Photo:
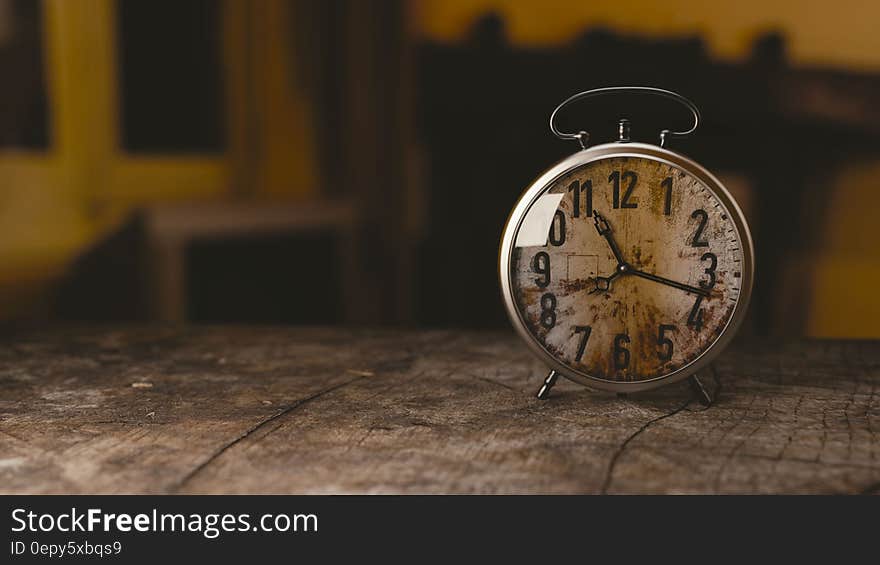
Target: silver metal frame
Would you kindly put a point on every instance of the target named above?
(607, 151)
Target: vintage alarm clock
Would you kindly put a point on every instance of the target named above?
(626, 266)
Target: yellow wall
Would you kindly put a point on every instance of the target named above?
(846, 264)
(54, 204)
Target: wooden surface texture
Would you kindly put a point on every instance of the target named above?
(273, 410)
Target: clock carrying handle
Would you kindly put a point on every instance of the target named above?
(583, 137)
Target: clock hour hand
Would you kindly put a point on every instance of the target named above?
(604, 229)
(603, 284)
(675, 284)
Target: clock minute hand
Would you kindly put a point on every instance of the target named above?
(675, 284)
(604, 229)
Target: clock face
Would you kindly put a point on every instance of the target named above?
(627, 269)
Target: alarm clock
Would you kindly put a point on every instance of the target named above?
(626, 266)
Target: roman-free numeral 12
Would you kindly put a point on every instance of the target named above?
(629, 178)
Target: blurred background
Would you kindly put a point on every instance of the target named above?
(353, 162)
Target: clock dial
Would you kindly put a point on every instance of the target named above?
(627, 269)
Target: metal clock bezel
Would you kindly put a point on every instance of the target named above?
(637, 150)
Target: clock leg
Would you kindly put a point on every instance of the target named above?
(548, 384)
(700, 391)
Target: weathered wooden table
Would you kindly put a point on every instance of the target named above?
(269, 410)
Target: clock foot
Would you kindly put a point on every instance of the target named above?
(548, 384)
(700, 391)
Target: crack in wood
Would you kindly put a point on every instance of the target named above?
(725, 434)
(494, 382)
(612, 464)
(383, 366)
(287, 410)
(733, 452)
(384, 391)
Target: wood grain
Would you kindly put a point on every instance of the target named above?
(268, 410)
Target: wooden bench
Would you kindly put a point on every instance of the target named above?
(171, 228)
